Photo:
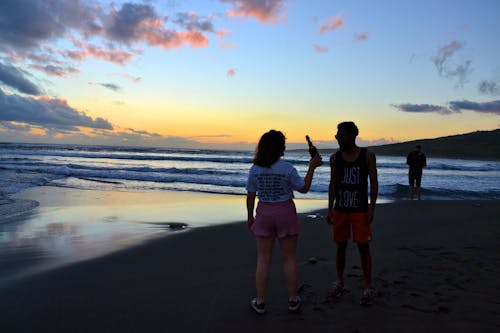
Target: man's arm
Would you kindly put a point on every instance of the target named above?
(372, 174)
(331, 189)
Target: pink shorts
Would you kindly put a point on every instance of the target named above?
(276, 219)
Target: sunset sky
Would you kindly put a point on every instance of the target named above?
(219, 73)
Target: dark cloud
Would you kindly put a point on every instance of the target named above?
(447, 68)
(139, 23)
(15, 78)
(489, 87)
(144, 133)
(28, 27)
(485, 107)
(110, 86)
(265, 11)
(15, 127)
(126, 24)
(453, 107)
(24, 24)
(46, 112)
(193, 22)
(423, 108)
(54, 70)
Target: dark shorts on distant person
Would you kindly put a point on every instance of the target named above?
(276, 219)
(345, 222)
(414, 177)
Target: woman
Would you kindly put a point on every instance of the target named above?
(273, 180)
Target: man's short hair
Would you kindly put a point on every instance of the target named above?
(348, 127)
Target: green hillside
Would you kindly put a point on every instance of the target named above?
(483, 145)
(479, 145)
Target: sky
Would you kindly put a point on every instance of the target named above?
(219, 73)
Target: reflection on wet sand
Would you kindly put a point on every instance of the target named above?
(71, 225)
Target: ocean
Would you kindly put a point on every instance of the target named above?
(138, 194)
(223, 172)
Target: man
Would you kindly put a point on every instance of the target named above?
(417, 161)
(348, 206)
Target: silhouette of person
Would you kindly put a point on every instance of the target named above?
(417, 161)
(273, 180)
(348, 207)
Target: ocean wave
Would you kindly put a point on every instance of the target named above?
(132, 156)
(399, 191)
(185, 176)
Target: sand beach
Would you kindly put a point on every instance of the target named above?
(435, 269)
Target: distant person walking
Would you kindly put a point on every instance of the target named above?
(273, 180)
(348, 206)
(417, 161)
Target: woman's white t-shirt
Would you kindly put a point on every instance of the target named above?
(276, 183)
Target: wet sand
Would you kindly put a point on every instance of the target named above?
(435, 269)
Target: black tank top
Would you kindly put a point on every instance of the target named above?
(351, 183)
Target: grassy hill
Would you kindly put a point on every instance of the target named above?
(480, 145)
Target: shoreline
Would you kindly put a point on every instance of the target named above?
(57, 226)
(435, 269)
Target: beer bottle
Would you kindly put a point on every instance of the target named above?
(312, 149)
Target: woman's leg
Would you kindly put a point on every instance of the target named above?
(264, 255)
(288, 248)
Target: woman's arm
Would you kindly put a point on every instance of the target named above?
(315, 162)
(250, 207)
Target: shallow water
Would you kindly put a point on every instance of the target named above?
(71, 225)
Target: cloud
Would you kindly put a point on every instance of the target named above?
(24, 24)
(231, 72)
(489, 87)
(127, 24)
(15, 127)
(15, 78)
(86, 50)
(46, 112)
(134, 79)
(423, 108)
(28, 27)
(320, 49)
(454, 107)
(265, 11)
(331, 24)
(110, 86)
(139, 23)
(360, 37)
(227, 46)
(192, 22)
(485, 107)
(449, 69)
(54, 70)
(13, 132)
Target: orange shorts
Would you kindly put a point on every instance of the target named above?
(343, 222)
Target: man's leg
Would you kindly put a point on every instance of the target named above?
(264, 255)
(366, 263)
(411, 183)
(418, 182)
(340, 263)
